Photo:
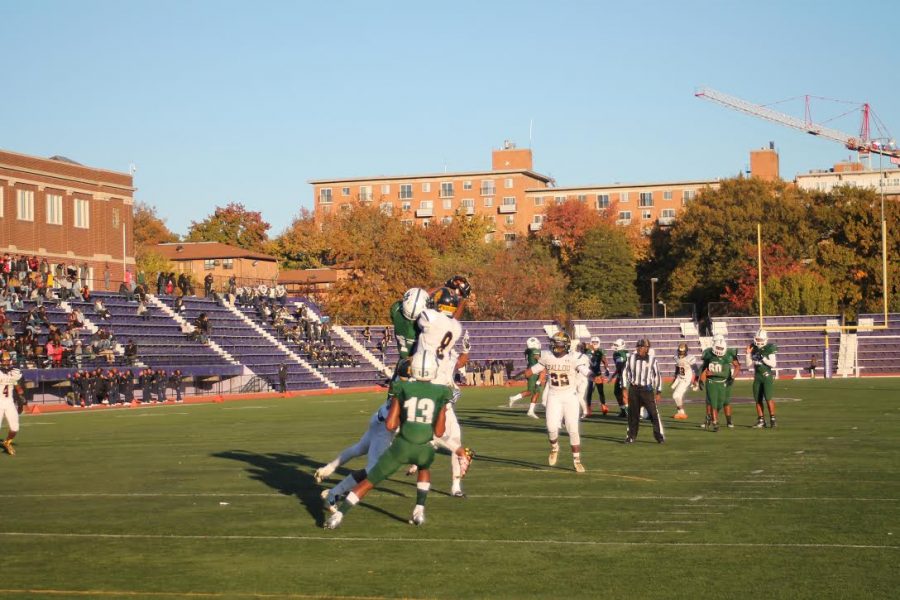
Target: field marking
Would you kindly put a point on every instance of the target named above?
(246, 407)
(405, 540)
(667, 522)
(486, 496)
(135, 594)
(147, 414)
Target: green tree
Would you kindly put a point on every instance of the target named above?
(302, 245)
(234, 225)
(459, 247)
(798, 293)
(603, 275)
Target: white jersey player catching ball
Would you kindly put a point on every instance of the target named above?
(567, 374)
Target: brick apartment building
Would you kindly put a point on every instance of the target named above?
(67, 212)
(511, 194)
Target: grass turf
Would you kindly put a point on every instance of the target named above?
(218, 501)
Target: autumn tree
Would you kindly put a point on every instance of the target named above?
(603, 275)
(565, 226)
(148, 230)
(384, 258)
(459, 247)
(302, 245)
(234, 225)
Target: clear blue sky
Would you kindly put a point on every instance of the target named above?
(245, 101)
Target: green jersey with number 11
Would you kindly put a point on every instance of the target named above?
(420, 404)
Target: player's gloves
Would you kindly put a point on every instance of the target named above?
(460, 284)
(466, 344)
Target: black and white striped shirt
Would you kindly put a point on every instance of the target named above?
(642, 372)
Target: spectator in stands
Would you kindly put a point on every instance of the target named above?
(160, 283)
(202, 328)
(179, 306)
(106, 277)
(85, 293)
(126, 291)
(207, 285)
(100, 309)
(75, 320)
(813, 365)
(177, 382)
(142, 311)
(170, 286)
(78, 353)
(131, 352)
(367, 335)
(282, 378)
(54, 352)
(232, 286)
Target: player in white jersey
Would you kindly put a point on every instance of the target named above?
(439, 331)
(9, 386)
(685, 378)
(567, 374)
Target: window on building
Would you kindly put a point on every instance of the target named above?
(467, 203)
(209, 264)
(446, 220)
(467, 185)
(687, 196)
(646, 215)
(426, 187)
(646, 199)
(509, 201)
(405, 206)
(488, 202)
(407, 222)
(54, 209)
(602, 201)
(581, 198)
(447, 203)
(538, 200)
(623, 196)
(228, 263)
(25, 205)
(387, 208)
(538, 219)
(345, 191)
(325, 196)
(510, 219)
(667, 195)
(427, 204)
(624, 217)
(559, 199)
(488, 188)
(345, 206)
(2, 199)
(667, 213)
(365, 193)
(116, 218)
(509, 238)
(385, 189)
(426, 223)
(82, 213)
(508, 183)
(447, 189)
(406, 191)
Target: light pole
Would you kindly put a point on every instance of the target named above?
(653, 281)
(665, 309)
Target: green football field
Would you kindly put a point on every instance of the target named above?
(219, 501)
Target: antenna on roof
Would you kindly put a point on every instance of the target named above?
(530, 131)
(132, 168)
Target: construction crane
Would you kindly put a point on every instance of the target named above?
(862, 143)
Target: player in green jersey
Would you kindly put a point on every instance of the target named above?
(418, 409)
(720, 367)
(620, 358)
(404, 313)
(761, 357)
(599, 375)
(535, 386)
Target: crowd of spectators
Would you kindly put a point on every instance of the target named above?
(119, 386)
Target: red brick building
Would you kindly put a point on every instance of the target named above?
(67, 212)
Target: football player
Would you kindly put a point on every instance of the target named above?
(404, 313)
(439, 331)
(599, 374)
(761, 357)
(419, 410)
(535, 385)
(567, 373)
(720, 367)
(9, 407)
(373, 443)
(620, 358)
(684, 378)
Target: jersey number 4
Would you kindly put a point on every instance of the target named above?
(6, 391)
(419, 410)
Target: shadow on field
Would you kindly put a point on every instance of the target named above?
(281, 473)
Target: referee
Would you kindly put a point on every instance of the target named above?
(642, 384)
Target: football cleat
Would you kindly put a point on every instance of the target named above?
(579, 468)
(730, 425)
(554, 454)
(8, 446)
(680, 415)
(512, 399)
(604, 409)
(714, 427)
(532, 414)
(334, 521)
(628, 440)
(772, 423)
(458, 494)
(760, 423)
(418, 516)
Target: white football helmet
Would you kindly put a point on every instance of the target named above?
(424, 366)
(762, 337)
(619, 344)
(533, 343)
(415, 300)
(719, 345)
(595, 342)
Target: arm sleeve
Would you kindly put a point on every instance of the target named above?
(536, 368)
(770, 361)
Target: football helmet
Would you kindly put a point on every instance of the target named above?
(595, 342)
(415, 300)
(460, 284)
(761, 338)
(403, 369)
(533, 343)
(560, 343)
(619, 344)
(682, 349)
(5, 361)
(445, 301)
(719, 345)
(423, 366)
